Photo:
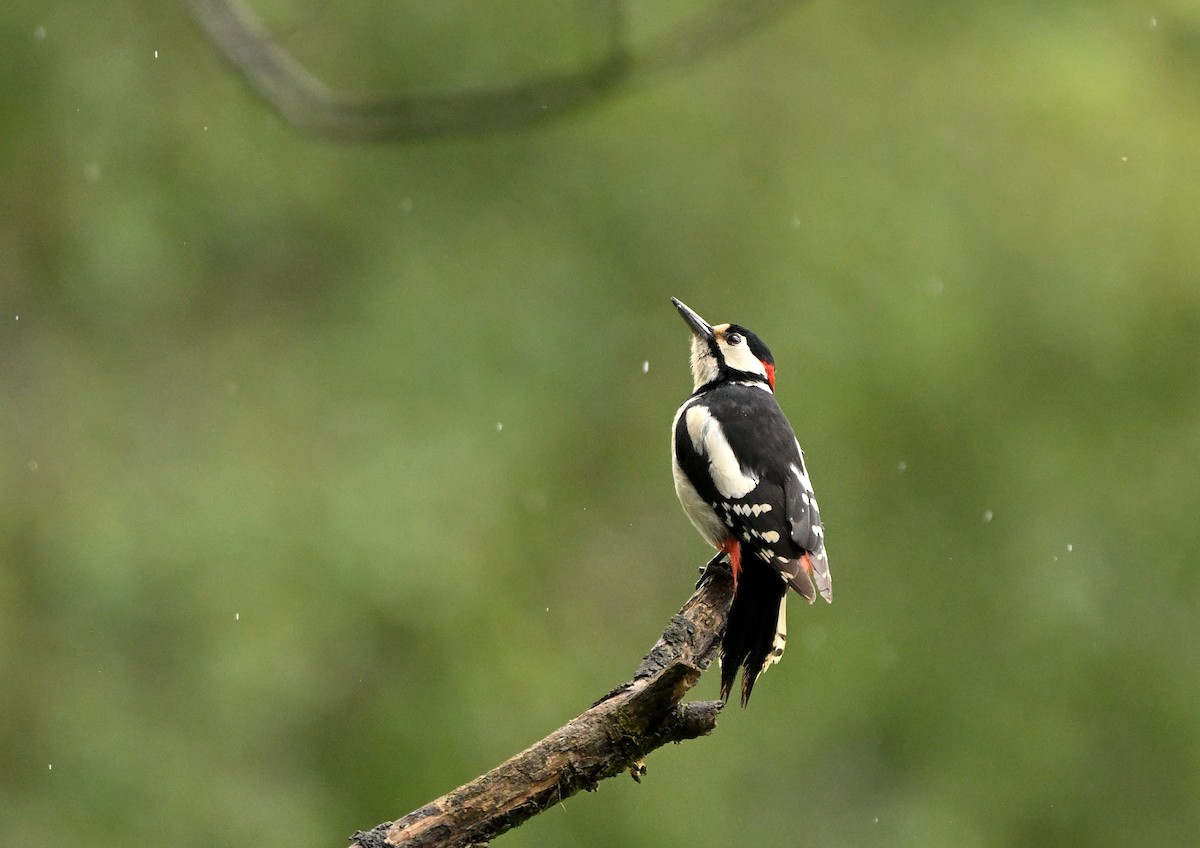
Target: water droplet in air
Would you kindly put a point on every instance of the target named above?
(987, 516)
(645, 366)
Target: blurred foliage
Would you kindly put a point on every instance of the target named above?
(333, 475)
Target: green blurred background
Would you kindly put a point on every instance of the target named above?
(333, 474)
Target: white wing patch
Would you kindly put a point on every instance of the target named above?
(709, 441)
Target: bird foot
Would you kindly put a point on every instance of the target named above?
(716, 565)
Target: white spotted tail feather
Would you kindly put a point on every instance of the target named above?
(742, 480)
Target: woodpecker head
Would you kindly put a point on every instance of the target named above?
(726, 352)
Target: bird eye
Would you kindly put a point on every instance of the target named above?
(734, 338)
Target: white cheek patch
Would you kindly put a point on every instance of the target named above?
(740, 358)
(709, 441)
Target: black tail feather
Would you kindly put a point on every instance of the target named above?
(749, 640)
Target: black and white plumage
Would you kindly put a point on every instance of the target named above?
(741, 478)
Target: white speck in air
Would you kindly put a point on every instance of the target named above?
(1070, 548)
(1124, 158)
(237, 616)
(901, 466)
(499, 426)
(155, 54)
(645, 366)
(1153, 23)
(39, 32)
(987, 516)
(16, 317)
(50, 767)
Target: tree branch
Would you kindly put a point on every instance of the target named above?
(614, 735)
(311, 106)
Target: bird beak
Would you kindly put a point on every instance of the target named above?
(699, 326)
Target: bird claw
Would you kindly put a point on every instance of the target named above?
(717, 565)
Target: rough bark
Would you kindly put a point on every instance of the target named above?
(614, 735)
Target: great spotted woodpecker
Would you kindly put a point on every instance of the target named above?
(740, 475)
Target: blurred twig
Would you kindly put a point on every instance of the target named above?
(614, 735)
(308, 104)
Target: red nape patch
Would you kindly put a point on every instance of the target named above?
(770, 374)
(734, 548)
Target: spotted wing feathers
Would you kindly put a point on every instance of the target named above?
(804, 521)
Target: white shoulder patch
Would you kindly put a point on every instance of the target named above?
(709, 441)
